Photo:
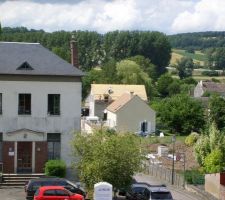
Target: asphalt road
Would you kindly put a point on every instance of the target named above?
(178, 194)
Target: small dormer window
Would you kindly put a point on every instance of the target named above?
(25, 66)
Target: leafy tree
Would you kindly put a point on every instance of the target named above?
(146, 65)
(202, 149)
(220, 58)
(214, 162)
(217, 111)
(175, 87)
(163, 84)
(156, 47)
(207, 143)
(93, 76)
(210, 58)
(185, 67)
(109, 72)
(62, 52)
(109, 157)
(181, 114)
(129, 72)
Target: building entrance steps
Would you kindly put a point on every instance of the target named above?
(18, 179)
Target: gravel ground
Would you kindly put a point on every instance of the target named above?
(12, 193)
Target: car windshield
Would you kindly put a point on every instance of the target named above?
(161, 195)
(138, 190)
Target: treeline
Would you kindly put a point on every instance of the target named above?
(198, 41)
(96, 49)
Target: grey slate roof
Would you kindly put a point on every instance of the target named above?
(43, 61)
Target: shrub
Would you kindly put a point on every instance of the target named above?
(55, 168)
(214, 162)
(191, 139)
(210, 73)
(194, 177)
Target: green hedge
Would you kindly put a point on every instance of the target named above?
(55, 168)
(210, 73)
(194, 177)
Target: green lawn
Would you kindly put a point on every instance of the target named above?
(196, 56)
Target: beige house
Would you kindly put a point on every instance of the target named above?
(130, 113)
(102, 95)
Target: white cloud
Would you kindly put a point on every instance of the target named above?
(207, 15)
(108, 15)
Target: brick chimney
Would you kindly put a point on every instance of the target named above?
(74, 52)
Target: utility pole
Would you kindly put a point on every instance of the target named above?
(184, 167)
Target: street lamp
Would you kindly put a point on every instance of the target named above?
(173, 141)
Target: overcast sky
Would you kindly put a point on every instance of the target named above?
(168, 16)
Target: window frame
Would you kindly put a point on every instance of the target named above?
(26, 107)
(54, 109)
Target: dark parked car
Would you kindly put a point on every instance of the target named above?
(144, 191)
(34, 184)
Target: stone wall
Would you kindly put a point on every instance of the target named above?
(212, 184)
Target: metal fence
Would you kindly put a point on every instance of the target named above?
(164, 174)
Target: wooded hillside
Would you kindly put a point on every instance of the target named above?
(198, 41)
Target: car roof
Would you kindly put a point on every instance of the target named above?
(147, 185)
(52, 188)
(47, 179)
(159, 189)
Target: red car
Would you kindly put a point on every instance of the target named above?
(55, 193)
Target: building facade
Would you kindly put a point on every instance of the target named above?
(102, 95)
(129, 113)
(40, 103)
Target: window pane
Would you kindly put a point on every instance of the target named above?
(24, 104)
(54, 104)
(49, 193)
(54, 145)
(56, 150)
(50, 151)
(53, 137)
(61, 193)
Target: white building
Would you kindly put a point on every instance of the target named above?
(129, 113)
(102, 95)
(40, 103)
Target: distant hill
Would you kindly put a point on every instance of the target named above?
(198, 40)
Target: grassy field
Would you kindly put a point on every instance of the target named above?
(198, 57)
